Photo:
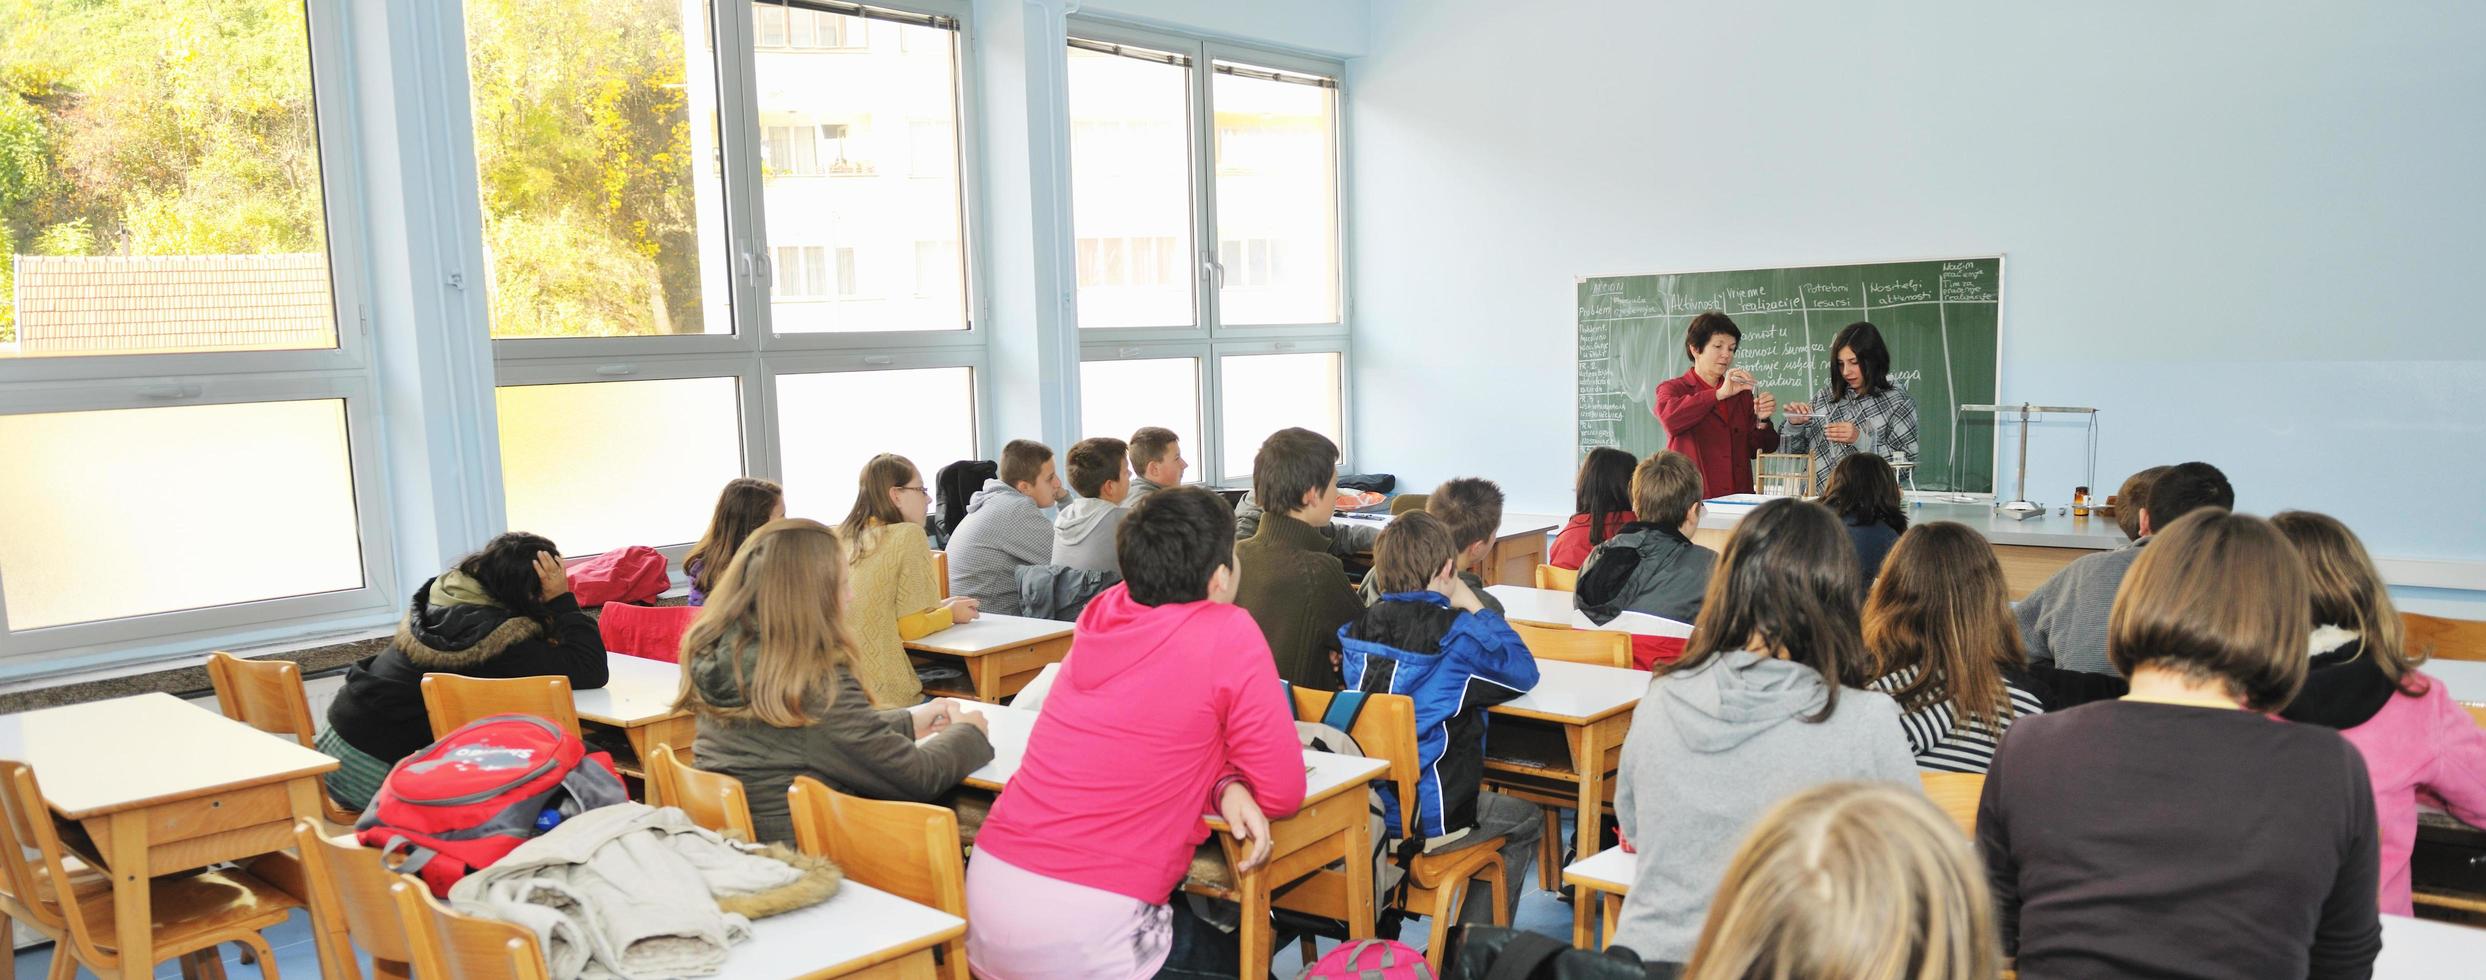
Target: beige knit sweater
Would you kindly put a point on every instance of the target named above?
(896, 599)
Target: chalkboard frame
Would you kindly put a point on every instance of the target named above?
(2002, 341)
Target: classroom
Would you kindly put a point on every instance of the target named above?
(1034, 489)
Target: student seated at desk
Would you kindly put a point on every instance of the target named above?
(1167, 708)
(1766, 701)
(1471, 509)
(1292, 585)
(504, 611)
(1349, 539)
(1005, 528)
(1851, 880)
(1949, 651)
(1601, 505)
(1651, 565)
(744, 505)
(1431, 638)
(897, 596)
(2364, 683)
(768, 669)
(1083, 534)
(1864, 492)
(2180, 831)
(1156, 463)
(2064, 621)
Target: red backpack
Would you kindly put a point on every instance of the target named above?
(469, 799)
(632, 574)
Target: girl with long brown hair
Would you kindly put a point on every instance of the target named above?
(745, 504)
(1940, 621)
(768, 670)
(1851, 881)
(897, 597)
(2364, 681)
(1766, 701)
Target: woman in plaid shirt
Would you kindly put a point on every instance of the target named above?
(1858, 411)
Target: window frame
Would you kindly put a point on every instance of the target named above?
(1209, 338)
(344, 373)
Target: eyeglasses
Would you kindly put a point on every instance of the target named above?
(921, 490)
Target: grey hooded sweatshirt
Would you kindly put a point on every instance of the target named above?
(1084, 533)
(1710, 750)
(1003, 530)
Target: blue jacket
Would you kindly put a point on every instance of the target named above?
(1454, 665)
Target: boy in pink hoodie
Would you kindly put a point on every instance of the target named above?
(1168, 708)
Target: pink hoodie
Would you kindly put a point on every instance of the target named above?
(2427, 743)
(1154, 706)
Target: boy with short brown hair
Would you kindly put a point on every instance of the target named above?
(1292, 585)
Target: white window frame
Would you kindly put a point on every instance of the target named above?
(1208, 338)
(75, 383)
(754, 353)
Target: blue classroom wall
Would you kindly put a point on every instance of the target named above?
(2245, 231)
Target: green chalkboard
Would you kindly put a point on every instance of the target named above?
(1942, 319)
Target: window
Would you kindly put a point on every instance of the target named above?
(834, 423)
(802, 271)
(1197, 162)
(932, 149)
(846, 273)
(936, 269)
(598, 466)
(1117, 398)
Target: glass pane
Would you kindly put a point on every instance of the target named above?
(868, 175)
(1268, 392)
(150, 510)
(1277, 193)
(598, 466)
(1130, 180)
(1117, 398)
(596, 144)
(159, 181)
(829, 425)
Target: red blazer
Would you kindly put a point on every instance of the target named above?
(1720, 436)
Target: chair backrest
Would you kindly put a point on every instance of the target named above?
(34, 859)
(1557, 579)
(1385, 730)
(348, 883)
(2477, 713)
(1406, 502)
(2445, 639)
(910, 850)
(941, 572)
(448, 945)
(713, 800)
(1957, 794)
(1602, 647)
(647, 632)
(452, 700)
(264, 694)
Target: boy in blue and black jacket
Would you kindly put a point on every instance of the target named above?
(1430, 638)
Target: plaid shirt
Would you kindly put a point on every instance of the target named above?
(1885, 424)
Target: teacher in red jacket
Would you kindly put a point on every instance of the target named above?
(1712, 413)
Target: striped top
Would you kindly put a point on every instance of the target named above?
(1938, 739)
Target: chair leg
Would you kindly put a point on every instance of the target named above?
(64, 965)
(392, 970)
(954, 959)
(1549, 848)
(267, 957)
(1446, 902)
(1499, 877)
(1310, 953)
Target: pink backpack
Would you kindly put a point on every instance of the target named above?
(1371, 959)
(632, 574)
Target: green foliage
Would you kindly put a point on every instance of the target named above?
(71, 237)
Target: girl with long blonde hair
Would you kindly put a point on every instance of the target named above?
(768, 670)
(897, 597)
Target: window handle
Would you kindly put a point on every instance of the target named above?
(1215, 270)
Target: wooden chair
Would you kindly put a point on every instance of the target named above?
(449, 945)
(1437, 883)
(2445, 639)
(2477, 712)
(1557, 579)
(713, 800)
(267, 695)
(1605, 648)
(941, 571)
(1406, 502)
(65, 900)
(452, 700)
(349, 892)
(1957, 794)
(910, 850)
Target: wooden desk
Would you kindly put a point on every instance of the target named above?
(1330, 828)
(1608, 874)
(637, 697)
(1519, 547)
(1590, 706)
(999, 653)
(2418, 949)
(162, 786)
(1534, 606)
(2031, 551)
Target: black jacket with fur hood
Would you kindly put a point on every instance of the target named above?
(380, 710)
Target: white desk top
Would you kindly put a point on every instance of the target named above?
(2050, 531)
(1514, 525)
(107, 756)
(1009, 728)
(636, 691)
(1609, 870)
(990, 632)
(1554, 607)
(2466, 679)
(859, 922)
(1575, 693)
